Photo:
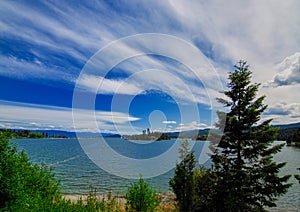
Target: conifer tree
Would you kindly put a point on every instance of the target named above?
(183, 184)
(247, 177)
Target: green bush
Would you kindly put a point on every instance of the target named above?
(29, 187)
(141, 197)
(93, 203)
(23, 185)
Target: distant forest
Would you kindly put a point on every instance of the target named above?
(29, 134)
(285, 134)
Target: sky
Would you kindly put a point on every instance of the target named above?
(125, 66)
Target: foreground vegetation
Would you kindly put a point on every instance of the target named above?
(24, 186)
(29, 187)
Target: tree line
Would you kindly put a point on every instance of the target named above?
(29, 134)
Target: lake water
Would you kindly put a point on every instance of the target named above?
(77, 173)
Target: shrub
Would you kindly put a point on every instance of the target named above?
(23, 185)
(141, 197)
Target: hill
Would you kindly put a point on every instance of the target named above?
(188, 133)
(74, 135)
(285, 126)
(287, 130)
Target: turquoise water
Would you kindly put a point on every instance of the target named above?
(78, 173)
(291, 200)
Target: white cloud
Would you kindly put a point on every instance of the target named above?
(261, 32)
(288, 72)
(180, 74)
(22, 69)
(283, 113)
(281, 93)
(194, 125)
(169, 122)
(282, 101)
(107, 86)
(258, 31)
(21, 115)
(71, 29)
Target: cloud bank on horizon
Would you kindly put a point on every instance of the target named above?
(48, 43)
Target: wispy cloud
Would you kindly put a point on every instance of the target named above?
(20, 69)
(79, 30)
(51, 41)
(107, 86)
(150, 65)
(21, 115)
(192, 126)
(169, 122)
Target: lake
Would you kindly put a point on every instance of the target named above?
(78, 174)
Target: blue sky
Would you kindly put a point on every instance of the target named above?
(51, 50)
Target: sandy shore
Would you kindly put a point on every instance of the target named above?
(75, 197)
(166, 197)
(167, 200)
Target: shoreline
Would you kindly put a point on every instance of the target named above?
(166, 197)
(167, 201)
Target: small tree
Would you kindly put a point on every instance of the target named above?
(246, 176)
(141, 197)
(205, 190)
(183, 184)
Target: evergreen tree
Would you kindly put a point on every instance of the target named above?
(183, 184)
(246, 176)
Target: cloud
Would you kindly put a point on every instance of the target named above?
(247, 30)
(289, 72)
(186, 75)
(50, 41)
(194, 125)
(283, 113)
(284, 109)
(107, 86)
(169, 122)
(237, 30)
(22, 115)
(22, 69)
